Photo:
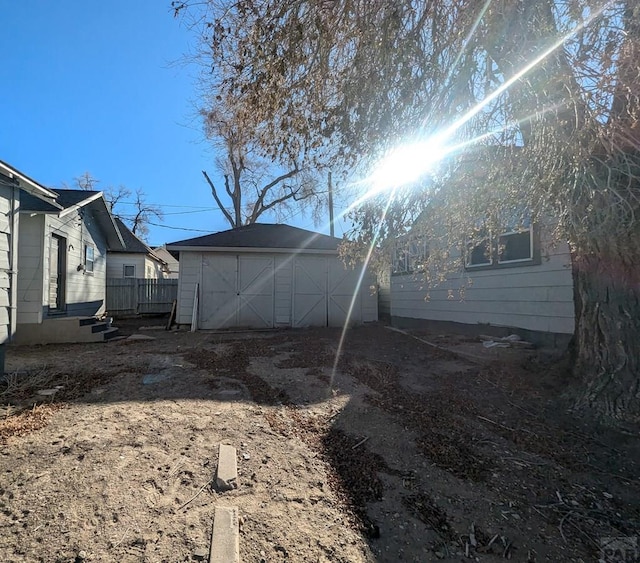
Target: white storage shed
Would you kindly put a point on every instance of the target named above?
(267, 276)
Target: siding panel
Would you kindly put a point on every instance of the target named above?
(30, 269)
(6, 240)
(538, 297)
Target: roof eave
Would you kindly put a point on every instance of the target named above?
(81, 204)
(27, 184)
(257, 249)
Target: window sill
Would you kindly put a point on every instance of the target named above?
(504, 265)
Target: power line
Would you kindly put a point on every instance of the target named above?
(177, 228)
(167, 205)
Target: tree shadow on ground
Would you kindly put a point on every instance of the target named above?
(432, 456)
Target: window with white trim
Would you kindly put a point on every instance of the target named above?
(129, 271)
(409, 255)
(479, 253)
(89, 258)
(514, 245)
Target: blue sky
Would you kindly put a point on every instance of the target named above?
(93, 85)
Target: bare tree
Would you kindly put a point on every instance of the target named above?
(116, 195)
(254, 186)
(555, 83)
(143, 214)
(138, 219)
(85, 182)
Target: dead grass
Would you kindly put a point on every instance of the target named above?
(27, 421)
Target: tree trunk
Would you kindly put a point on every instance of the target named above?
(606, 345)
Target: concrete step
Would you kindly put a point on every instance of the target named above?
(66, 330)
(110, 333)
(98, 327)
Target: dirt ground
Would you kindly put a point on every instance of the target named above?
(394, 451)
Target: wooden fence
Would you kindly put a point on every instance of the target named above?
(130, 296)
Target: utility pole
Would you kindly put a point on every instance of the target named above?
(331, 229)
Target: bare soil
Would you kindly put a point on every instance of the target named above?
(391, 450)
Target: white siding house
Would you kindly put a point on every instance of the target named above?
(173, 266)
(136, 260)
(13, 184)
(264, 276)
(62, 250)
(529, 294)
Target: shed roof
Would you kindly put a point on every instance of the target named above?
(261, 236)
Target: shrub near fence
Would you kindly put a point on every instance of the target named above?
(131, 296)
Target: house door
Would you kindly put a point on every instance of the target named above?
(57, 273)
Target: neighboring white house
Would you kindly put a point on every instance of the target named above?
(264, 275)
(62, 263)
(173, 266)
(136, 260)
(13, 185)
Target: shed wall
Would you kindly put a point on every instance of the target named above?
(191, 269)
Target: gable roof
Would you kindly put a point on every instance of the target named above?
(261, 236)
(65, 202)
(132, 243)
(76, 198)
(68, 201)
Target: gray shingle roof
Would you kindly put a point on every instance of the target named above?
(131, 242)
(262, 235)
(29, 202)
(69, 198)
(65, 199)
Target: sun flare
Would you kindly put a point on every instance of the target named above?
(406, 164)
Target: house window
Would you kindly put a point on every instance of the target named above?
(479, 253)
(514, 245)
(129, 271)
(409, 255)
(89, 258)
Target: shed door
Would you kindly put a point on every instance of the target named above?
(343, 283)
(218, 300)
(310, 291)
(237, 291)
(255, 291)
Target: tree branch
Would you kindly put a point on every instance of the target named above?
(214, 192)
(259, 208)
